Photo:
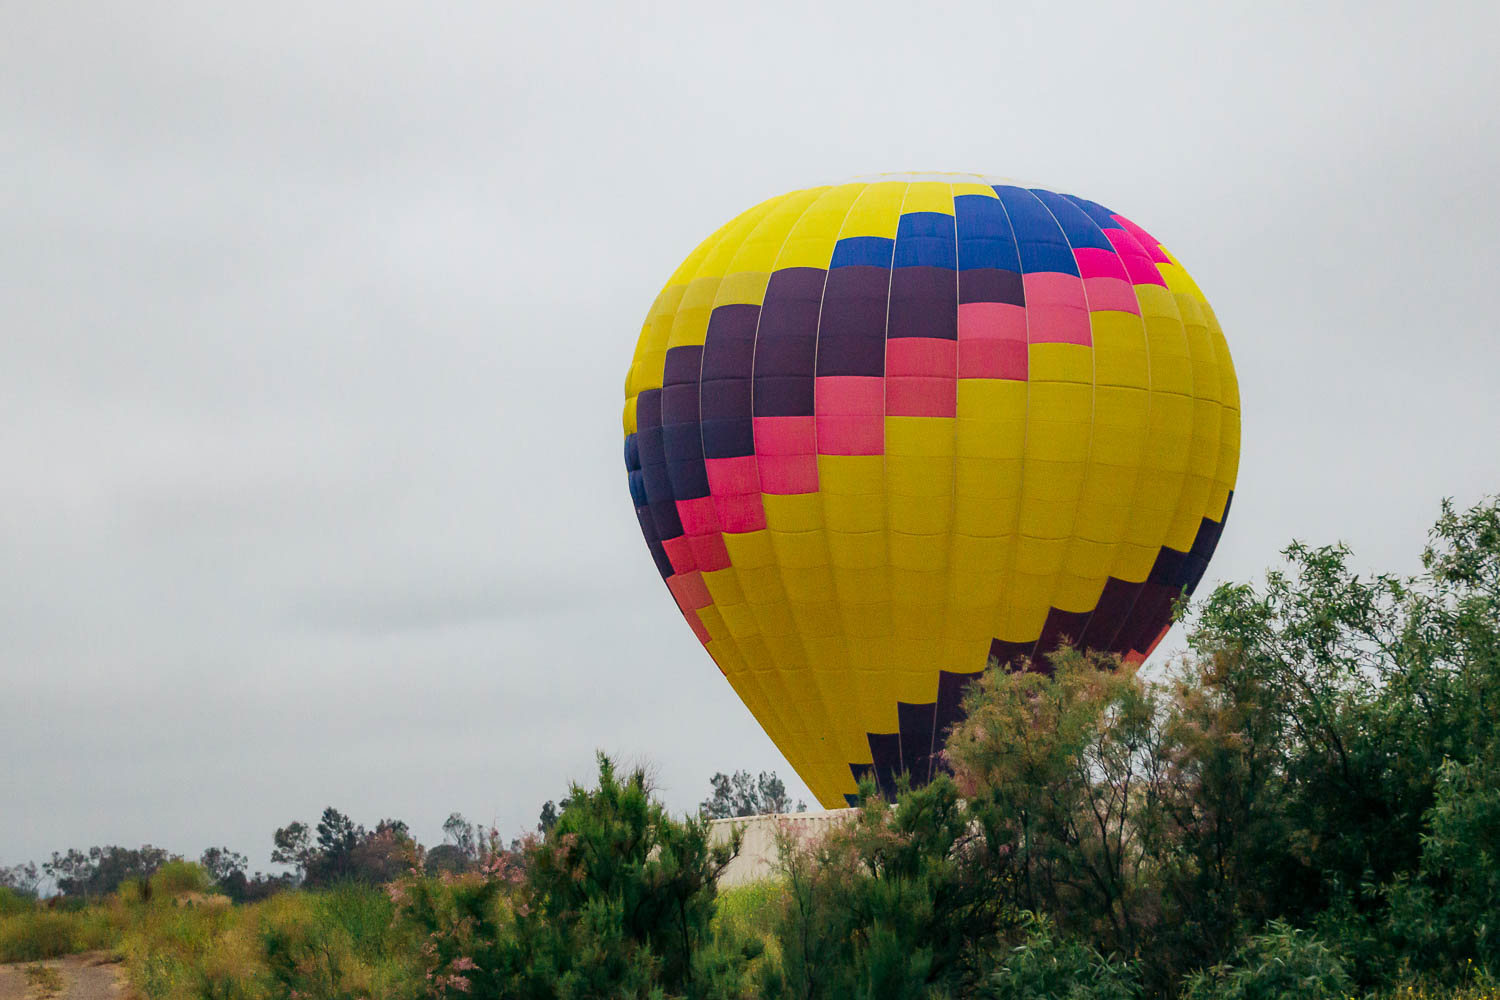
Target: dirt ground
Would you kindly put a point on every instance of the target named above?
(90, 976)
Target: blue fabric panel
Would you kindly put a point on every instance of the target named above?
(1041, 242)
(855, 251)
(925, 239)
(1080, 230)
(984, 235)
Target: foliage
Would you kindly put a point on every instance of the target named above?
(903, 900)
(99, 871)
(20, 880)
(338, 850)
(40, 933)
(13, 902)
(1305, 806)
(1281, 964)
(615, 902)
(739, 794)
(1047, 967)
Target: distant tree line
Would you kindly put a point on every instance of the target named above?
(335, 850)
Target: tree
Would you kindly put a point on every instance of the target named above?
(741, 795)
(222, 864)
(615, 902)
(904, 902)
(333, 859)
(293, 848)
(22, 879)
(99, 871)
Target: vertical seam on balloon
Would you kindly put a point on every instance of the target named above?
(1093, 415)
(953, 477)
(1036, 649)
(1015, 555)
(774, 661)
(1191, 396)
(849, 670)
(773, 202)
(1140, 466)
(885, 405)
(754, 346)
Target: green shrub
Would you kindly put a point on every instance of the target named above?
(178, 877)
(1282, 964)
(29, 937)
(341, 944)
(1046, 967)
(902, 901)
(12, 902)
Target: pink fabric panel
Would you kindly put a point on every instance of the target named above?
(1111, 293)
(699, 629)
(1148, 243)
(849, 395)
(860, 434)
(740, 512)
(680, 554)
(732, 476)
(697, 516)
(1047, 288)
(787, 474)
(991, 321)
(992, 359)
(1137, 264)
(921, 397)
(783, 436)
(1096, 263)
(1051, 324)
(690, 591)
(920, 356)
(709, 552)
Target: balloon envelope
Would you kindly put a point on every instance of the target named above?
(882, 434)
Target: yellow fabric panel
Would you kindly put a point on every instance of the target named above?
(967, 187)
(713, 622)
(919, 552)
(1021, 622)
(1120, 353)
(918, 514)
(1077, 593)
(855, 475)
(919, 436)
(773, 617)
(724, 586)
(746, 288)
(793, 512)
(749, 550)
(690, 322)
(651, 350)
(928, 196)
(816, 619)
(854, 512)
(799, 549)
(867, 619)
(1177, 278)
(764, 243)
(856, 550)
(876, 212)
(739, 619)
(1060, 363)
(810, 241)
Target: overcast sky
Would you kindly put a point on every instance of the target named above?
(316, 319)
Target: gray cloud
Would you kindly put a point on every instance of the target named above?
(317, 319)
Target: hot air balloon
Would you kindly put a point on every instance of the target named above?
(882, 434)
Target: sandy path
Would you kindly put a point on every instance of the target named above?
(90, 976)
